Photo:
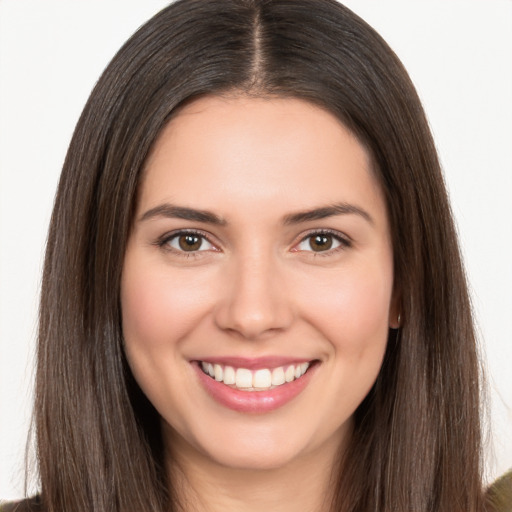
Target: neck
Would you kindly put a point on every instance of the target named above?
(202, 485)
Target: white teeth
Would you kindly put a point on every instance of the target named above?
(229, 375)
(217, 368)
(243, 378)
(278, 376)
(248, 380)
(262, 379)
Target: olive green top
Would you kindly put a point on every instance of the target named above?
(499, 494)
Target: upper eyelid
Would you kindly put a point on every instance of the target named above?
(186, 231)
(337, 234)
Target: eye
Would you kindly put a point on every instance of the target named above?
(188, 242)
(322, 242)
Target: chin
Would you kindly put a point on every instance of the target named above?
(265, 447)
(254, 460)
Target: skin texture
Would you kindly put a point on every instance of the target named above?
(256, 288)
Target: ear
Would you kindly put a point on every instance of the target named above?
(395, 316)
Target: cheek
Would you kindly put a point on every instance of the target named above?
(158, 309)
(352, 313)
(352, 309)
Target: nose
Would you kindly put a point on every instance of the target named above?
(254, 302)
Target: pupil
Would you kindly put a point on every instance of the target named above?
(190, 242)
(321, 242)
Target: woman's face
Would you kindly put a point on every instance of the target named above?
(260, 253)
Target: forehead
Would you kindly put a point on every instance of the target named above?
(220, 151)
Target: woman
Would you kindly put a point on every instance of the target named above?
(196, 150)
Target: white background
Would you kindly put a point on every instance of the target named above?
(459, 54)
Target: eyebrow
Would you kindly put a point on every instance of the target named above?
(181, 212)
(168, 210)
(327, 211)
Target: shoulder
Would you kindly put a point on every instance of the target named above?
(499, 494)
(28, 505)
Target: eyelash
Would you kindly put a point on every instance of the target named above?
(344, 242)
(163, 242)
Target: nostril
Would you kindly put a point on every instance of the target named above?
(252, 322)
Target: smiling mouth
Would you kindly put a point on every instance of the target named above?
(254, 380)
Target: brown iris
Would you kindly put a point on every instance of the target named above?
(189, 242)
(320, 242)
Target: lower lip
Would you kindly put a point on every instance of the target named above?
(254, 401)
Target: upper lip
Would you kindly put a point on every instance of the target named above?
(255, 363)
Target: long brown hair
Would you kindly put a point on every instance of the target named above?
(416, 444)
